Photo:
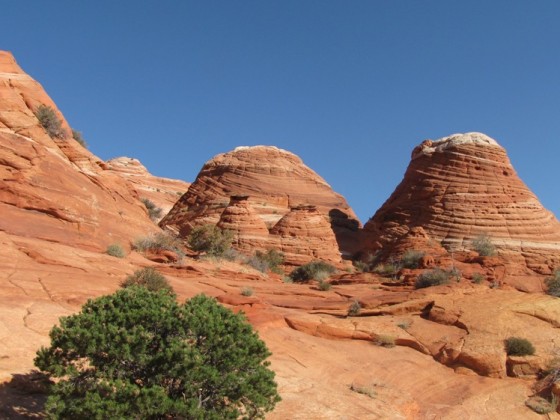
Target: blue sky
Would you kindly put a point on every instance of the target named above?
(349, 86)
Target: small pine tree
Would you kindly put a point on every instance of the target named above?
(139, 354)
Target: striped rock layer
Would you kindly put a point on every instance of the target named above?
(459, 187)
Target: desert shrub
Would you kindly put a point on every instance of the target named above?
(311, 271)
(115, 250)
(160, 241)
(360, 266)
(149, 278)
(385, 341)
(138, 354)
(365, 390)
(411, 258)
(153, 211)
(516, 346)
(77, 135)
(541, 405)
(324, 285)
(388, 269)
(404, 324)
(553, 284)
(478, 278)
(287, 279)
(483, 245)
(354, 308)
(50, 122)
(433, 277)
(247, 291)
(264, 261)
(210, 239)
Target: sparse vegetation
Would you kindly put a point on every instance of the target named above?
(516, 346)
(553, 284)
(77, 135)
(354, 308)
(312, 270)
(247, 291)
(477, 278)
(149, 278)
(153, 211)
(541, 405)
(483, 245)
(411, 258)
(269, 260)
(433, 277)
(404, 324)
(365, 390)
(160, 241)
(388, 269)
(210, 239)
(115, 250)
(385, 341)
(50, 122)
(139, 354)
(324, 285)
(360, 266)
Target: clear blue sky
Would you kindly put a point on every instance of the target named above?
(349, 86)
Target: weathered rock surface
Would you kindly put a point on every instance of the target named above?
(55, 189)
(164, 192)
(274, 180)
(459, 187)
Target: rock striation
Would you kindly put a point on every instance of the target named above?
(275, 181)
(462, 186)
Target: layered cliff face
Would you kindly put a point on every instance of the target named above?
(53, 188)
(462, 186)
(274, 180)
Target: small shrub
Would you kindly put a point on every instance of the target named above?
(247, 291)
(76, 135)
(160, 241)
(311, 271)
(324, 285)
(389, 269)
(50, 122)
(433, 277)
(516, 346)
(354, 308)
(364, 390)
(477, 278)
(287, 279)
(412, 258)
(553, 284)
(264, 261)
(483, 245)
(541, 405)
(361, 266)
(385, 341)
(149, 278)
(210, 239)
(405, 324)
(115, 250)
(153, 211)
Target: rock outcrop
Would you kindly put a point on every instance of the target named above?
(53, 188)
(462, 186)
(275, 182)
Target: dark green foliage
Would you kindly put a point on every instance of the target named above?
(484, 246)
(312, 270)
(516, 346)
(138, 354)
(50, 122)
(77, 135)
(149, 278)
(412, 258)
(433, 277)
(210, 239)
(115, 250)
(153, 211)
(553, 284)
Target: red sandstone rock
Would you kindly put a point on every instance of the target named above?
(275, 181)
(459, 187)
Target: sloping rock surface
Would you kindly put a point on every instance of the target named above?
(462, 186)
(275, 182)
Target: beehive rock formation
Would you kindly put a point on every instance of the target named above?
(274, 180)
(304, 232)
(250, 231)
(53, 188)
(459, 187)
